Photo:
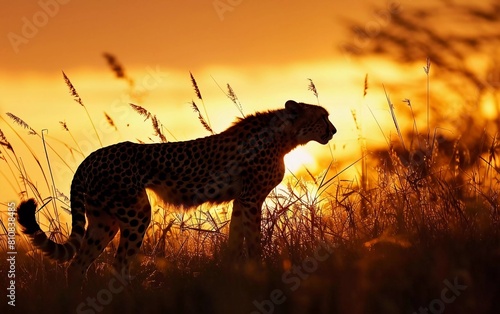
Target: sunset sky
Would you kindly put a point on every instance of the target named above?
(179, 34)
(266, 50)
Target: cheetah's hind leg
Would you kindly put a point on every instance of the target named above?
(101, 229)
(133, 227)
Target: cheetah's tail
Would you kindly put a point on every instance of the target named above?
(60, 252)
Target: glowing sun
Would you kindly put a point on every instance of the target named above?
(298, 158)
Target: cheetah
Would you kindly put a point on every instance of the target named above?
(242, 164)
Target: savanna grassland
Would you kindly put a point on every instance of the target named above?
(418, 231)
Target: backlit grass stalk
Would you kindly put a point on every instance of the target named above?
(157, 125)
(324, 185)
(65, 127)
(5, 144)
(118, 69)
(198, 94)
(427, 70)
(394, 119)
(110, 121)
(29, 185)
(70, 148)
(202, 120)
(32, 132)
(415, 127)
(313, 89)
(364, 153)
(234, 99)
(231, 95)
(54, 188)
(77, 99)
(136, 94)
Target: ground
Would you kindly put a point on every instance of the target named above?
(449, 276)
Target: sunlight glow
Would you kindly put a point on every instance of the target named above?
(489, 107)
(298, 158)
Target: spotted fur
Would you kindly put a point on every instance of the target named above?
(243, 164)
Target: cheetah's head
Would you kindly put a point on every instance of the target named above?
(310, 122)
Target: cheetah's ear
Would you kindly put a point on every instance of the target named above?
(293, 106)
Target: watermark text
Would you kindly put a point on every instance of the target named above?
(11, 254)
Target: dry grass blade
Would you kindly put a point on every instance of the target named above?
(156, 123)
(22, 123)
(3, 156)
(142, 111)
(365, 89)
(156, 127)
(492, 151)
(66, 128)
(231, 95)
(427, 70)
(234, 99)
(24, 176)
(110, 121)
(115, 66)
(427, 67)
(415, 126)
(200, 117)
(311, 175)
(312, 88)
(4, 142)
(394, 119)
(64, 125)
(198, 94)
(72, 90)
(355, 118)
(325, 184)
(195, 86)
(76, 97)
(54, 188)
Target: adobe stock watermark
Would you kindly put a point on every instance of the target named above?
(222, 7)
(293, 278)
(11, 254)
(448, 295)
(31, 26)
(96, 304)
(364, 35)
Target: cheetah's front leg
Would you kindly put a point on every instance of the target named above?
(236, 236)
(245, 225)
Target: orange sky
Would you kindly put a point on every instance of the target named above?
(265, 49)
(180, 34)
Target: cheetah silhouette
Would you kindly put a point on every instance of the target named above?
(243, 163)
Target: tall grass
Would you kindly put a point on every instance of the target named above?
(77, 99)
(418, 216)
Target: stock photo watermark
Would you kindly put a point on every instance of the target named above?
(449, 294)
(222, 7)
(31, 26)
(293, 279)
(11, 254)
(104, 297)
